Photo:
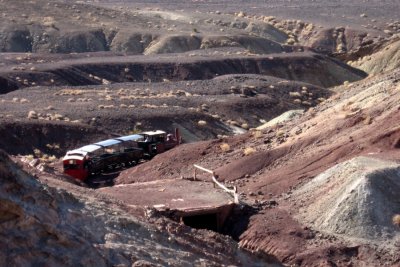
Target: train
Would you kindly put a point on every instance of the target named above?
(124, 151)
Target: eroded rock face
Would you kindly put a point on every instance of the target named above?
(6, 86)
(385, 59)
(135, 43)
(45, 225)
(356, 198)
(15, 39)
(267, 31)
(174, 44)
(38, 227)
(81, 41)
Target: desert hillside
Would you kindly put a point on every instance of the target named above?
(281, 130)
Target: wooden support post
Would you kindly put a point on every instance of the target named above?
(214, 179)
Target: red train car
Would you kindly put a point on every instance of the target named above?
(114, 153)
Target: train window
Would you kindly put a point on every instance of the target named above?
(71, 167)
(110, 150)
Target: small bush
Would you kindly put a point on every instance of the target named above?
(29, 157)
(248, 151)
(294, 94)
(32, 115)
(71, 92)
(50, 108)
(37, 153)
(257, 134)
(367, 120)
(52, 158)
(53, 146)
(396, 220)
(280, 133)
(225, 147)
(202, 123)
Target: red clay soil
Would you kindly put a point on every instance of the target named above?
(171, 164)
(302, 160)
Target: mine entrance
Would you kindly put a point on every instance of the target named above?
(203, 221)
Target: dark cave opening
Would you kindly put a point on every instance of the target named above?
(203, 221)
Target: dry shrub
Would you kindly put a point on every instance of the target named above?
(202, 123)
(234, 123)
(53, 146)
(367, 120)
(225, 147)
(149, 106)
(49, 108)
(37, 153)
(32, 115)
(48, 21)
(71, 92)
(396, 220)
(30, 157)
(280, 133)
(52, 158)
(294, 94)
(257, 134)
(58, 117)
(347, 106)
(248, 151)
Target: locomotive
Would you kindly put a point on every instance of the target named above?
(114, 153)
